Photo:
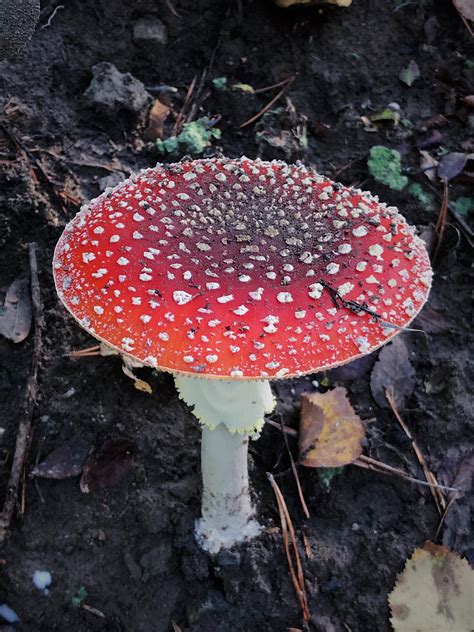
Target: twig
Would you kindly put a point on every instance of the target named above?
(295, 473)
(252, 119)
(368, 463)
(171, 8)
(288, 533)
(35, 164)
(85, 353)
(180, 119)
(23, 438)
(92, 610)
(443, 517)
(442, 218)
(51, 17)
(438, 497)
(273, 86)
(382, 468)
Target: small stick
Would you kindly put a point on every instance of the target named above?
(181, 118)
(252, 119)
(442, 219)
(23, 438)
(92, 610)
(288, 533)
(382, 468)
(35, 164)
(368, 463)
(438, 497)
(89, 351)
(295, 473)
(273, 86)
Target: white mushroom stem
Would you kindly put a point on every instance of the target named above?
(229, 413)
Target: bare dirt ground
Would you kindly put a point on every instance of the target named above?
(130, 547)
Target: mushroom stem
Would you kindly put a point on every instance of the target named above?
(229, 412)
(227, 512)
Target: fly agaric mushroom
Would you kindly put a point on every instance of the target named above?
(229, 274)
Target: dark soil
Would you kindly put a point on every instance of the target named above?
(131, 547)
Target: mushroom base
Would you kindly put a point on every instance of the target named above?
(227, 512)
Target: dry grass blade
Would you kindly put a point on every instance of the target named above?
(288, 532)
(254, 118)
(295, 474)
(85, 353)
(436, 492)
(23, 438)
(442, 219)
(181, 118)
(382, 468)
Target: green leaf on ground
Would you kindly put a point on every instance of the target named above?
(220, 83)
(385, 166)
(193, 138)
(243, 87)
(79, 597)
(410, 74)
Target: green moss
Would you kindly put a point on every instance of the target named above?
(464, 205)
(422, 196)
(326, 475)
(385, 165)
(193, 138)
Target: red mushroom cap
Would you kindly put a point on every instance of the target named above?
(240, 269)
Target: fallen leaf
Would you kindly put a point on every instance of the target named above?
(431, 28)
(393, 372)
(431, 321)
(410, 74)
(428, 165)
(451, 165)
(140, 385)
(15, 314)
(330, 433)
(465, 8)
(354, 370)
(433, 593)
(156, 119)
(66, 461)
(107, 466)
(388, 114)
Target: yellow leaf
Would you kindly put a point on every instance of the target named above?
(331, 434)
(156, 119)
(434, 593)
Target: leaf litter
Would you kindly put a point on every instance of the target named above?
(16, 313)
(331, 434)
(433, 593)
(393, 372)
(66, 461)
(108, 465)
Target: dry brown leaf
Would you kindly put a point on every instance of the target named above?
(330, 434)
(465, 8)
(15, 315)
(434, 593)
(157, 117)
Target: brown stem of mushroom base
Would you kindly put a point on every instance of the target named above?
(227, 511)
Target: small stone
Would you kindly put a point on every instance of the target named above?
(111, 91)
(150, 30)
